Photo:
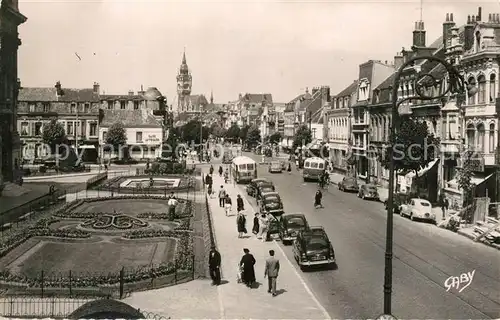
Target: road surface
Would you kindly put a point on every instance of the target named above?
(424, 258)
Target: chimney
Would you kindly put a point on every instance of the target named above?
(469, 33)
(130, 93)
(447, 25)
(479, 14)
(58, 87)
(325, 94)
(419, 35)
(240, 96)
(141, 92)
(96, 88)
(399, 60)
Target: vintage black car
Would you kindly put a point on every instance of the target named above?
(312, 247)
(291, 225)
(262, 189)
(349, 184)
(255, 183)
(271, 203)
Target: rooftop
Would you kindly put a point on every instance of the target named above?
(130, 118)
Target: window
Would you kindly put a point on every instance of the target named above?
(46, 107)
(86, 108)
(110, 105)
(480, 138)
(93, 129)
(69, 128)
(313, 133)
(250, 166)
(136, 105)
(123, 105)
(73, 108)
(25, 128)
(104, 135)
(492, 137)
(138, 136)
(32, 107)
(38, 128)
(471, 136)
(472, 82)
(478, 41)
(481, 89)
(493, 79)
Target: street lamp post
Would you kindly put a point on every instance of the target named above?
(455, 86)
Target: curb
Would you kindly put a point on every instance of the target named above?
(492, 245)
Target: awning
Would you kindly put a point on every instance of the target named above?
(423, 171)
(475, 180)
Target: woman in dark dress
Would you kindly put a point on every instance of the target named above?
(247, 265)
(255, 229)
(240, 223)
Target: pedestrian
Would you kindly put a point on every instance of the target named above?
(289, 169)
(247, 263)
(226, 176)
(271, 271)
(214, 261)
(228, 205)
(255, 228)
(172, 204)
(317, 199)
(220, 171)
(211, 170)
(264, 226)
(239, 203)
(443, 202)
(241, 221)
(209, 182)
(222, 196)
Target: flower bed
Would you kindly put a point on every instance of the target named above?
(185, 183)
(183, 262)
(40, 229)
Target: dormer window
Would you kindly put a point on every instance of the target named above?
(110, 105)
(363, 90)
(32, 107)
(73, 108)
(122, 105)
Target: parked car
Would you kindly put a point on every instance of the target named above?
(274, 228)
(368, 191)
(348, 184)
(313, 247)
(271, 203)
(418, 209)
(275, 167)
(398, 200)
(255, 183)
(291, 225)
(264, 189)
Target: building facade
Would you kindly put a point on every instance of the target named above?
(144, 118)
(76, 109)
(10, 143)
(338, 127)
(251, 107)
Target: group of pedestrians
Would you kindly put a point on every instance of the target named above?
(246, 269)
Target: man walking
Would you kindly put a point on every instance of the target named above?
(214, 260)
(222, 196)
(271, 272)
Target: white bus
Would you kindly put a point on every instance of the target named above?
(243, 169)
(313, 168)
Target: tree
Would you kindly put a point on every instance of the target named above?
(170, 145)
(244, 132)
(302, 137)
(253, 137)
(53, 134)
(190, 132)
(464, 179)
(117, 138)
(275, 138)
(217, 130)
(233, 132)
(413, 148)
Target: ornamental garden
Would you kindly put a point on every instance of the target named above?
(98, 245)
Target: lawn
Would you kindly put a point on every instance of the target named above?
(92, 258)
(125, 206)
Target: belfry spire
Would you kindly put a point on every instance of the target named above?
(184, 56)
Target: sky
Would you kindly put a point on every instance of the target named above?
(232, 47)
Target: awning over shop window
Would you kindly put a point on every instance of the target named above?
(475, 180)
(423, 171)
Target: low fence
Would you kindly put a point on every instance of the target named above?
(186, 184)
(32, 307)
(53, 195)
(117, 285)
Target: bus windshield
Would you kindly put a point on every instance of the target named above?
(246, 167)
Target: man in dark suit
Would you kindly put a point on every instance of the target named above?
(271, 272)
(214, 260)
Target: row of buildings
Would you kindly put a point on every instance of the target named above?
(354, 124)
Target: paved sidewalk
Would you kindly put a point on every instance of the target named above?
(295, 300)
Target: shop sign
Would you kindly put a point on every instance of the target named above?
(152, 138)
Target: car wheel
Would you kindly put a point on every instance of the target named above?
(401, 213)
(363, 197)
(411, 217)
(302, 268)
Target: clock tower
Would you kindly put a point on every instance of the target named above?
(184, 84)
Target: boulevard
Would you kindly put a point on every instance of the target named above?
(424, 258)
